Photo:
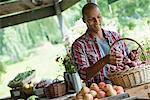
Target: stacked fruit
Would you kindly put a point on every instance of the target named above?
(96, 92)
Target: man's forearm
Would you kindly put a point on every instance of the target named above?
(94, 69)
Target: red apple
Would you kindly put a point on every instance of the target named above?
(102, 85)
(101, 94)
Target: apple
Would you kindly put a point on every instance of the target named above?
(88, 96)
(102, 85)
(119, 89)
(108, 87)
(85, 90)
(94, 93)
(95, 99)
(94, 87)
(111, 93)
(101, 94)
(79, 96)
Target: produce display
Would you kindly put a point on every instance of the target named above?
(98, 91)
(21, 79)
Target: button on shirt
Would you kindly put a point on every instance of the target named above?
(86, 51)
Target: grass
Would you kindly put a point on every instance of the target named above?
(42, 60)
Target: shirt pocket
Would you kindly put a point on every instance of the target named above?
(92, 56)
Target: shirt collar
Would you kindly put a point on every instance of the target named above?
(89, 36)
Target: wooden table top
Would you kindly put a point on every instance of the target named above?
(65, 97)
(140, 91)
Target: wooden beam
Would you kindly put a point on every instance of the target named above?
(3, 0)
(31, 12)
(20, 5)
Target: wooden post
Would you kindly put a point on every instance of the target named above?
(110, 9)
(92, 1)
(60, 17)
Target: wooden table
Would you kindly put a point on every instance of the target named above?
(140, 91)
(72, 97)
(65, 97)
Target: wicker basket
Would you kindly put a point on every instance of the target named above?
(133, 76)
(56, 89)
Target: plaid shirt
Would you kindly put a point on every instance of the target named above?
(85, 52)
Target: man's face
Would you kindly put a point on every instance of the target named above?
(93, 19)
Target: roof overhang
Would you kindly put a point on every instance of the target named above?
(13, 13)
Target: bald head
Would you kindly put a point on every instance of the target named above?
(87, 8)
(92, 17)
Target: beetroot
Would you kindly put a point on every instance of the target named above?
(127, 61)
(139, 62)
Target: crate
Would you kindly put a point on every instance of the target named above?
(17, 93)
(39, 92)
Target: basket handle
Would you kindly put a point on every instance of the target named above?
(57, 80)
(132, 41)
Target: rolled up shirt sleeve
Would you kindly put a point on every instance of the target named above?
(80, 58)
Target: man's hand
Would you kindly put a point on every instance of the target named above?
(114, 58)
(134, 55)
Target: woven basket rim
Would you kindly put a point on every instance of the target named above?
(131, 78)
(133, 69)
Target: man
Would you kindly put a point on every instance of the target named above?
(91, 52)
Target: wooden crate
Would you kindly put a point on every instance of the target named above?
(17, 94)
